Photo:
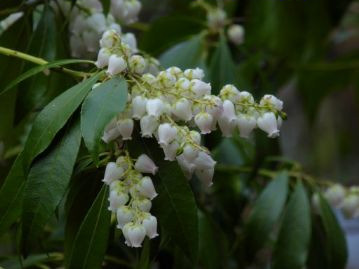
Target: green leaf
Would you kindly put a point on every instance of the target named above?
(50, 120)
(38, 69)
(265, 214)
(53, 117)
(335, 239)
(47, 183)
(176, 208)
(144, 261)
(90, 244)
(292, 245)
(99, 108)
(187, 54)
(222, 69)
(11, 194)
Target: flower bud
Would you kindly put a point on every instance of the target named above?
(121, 161)
(112, 172)
(150, 224)
(236, 34)
(130, 40)
(110, 134)
(187, 167)
(146, 188)
(204, 161)
(204, 122)
(103, 58)
(125, 128)
(175, 71)
(272, 101)
(108, 39)
(216, 18)
(145, 165)
(335, 195)
(268, 123)
(116, 65)
(190, 153)
(350, 206)
(183, 84)
(229, 92)
(170, 150)
(155, 107)
(205, 176)
(134, 234)
(124, 215)
(182, 109)
(149, 78)
(200, 88)
(166, 134)
(194, 73)
(138, 107)
(148, 125)
(245, 97)
(142, 204)
(117, 199)
(246, 124)
(167, 79)
(137, 64)
(226, 126)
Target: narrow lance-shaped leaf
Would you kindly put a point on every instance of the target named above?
(50, 120)
(47, 183)
(266, 212)
(90, 244)
(335, 239)
(99, 108)
(292, 245)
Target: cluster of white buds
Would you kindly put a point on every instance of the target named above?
(235, 34)
(130, 197)
(125, 11)
(119, 54)
(347, 200)
(88, 23)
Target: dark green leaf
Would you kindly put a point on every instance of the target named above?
(90, 244)
(144, 262)
(222, 67)
(99, 108)
(335, 238)
(266, 212)
(187, 54)
(292, 245)
(47, 183)
(53, 117)
(38, 69)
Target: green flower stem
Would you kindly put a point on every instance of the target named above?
(40, 61)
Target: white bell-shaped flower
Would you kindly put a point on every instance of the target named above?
(200, 88)
(183, 84)
(146, 188)
(166, 134)
(155, 107)
(139, 107)
(134, 234)
(350, 206)
(272, 101)
(124, 215)
(190, 153)
(268, 123)
(227, 127)
(246, 124)
(130, 40)
(205, 176)
(236, 34)
(197, 73)
(110, 134)
(229, 92)
(116, 65)
(335, 195)
(187, 167)
(137, 64)
(108, 39)
(125, 127)
(183, 109)
(228, 111)
(142, 204)
(150, 224)
(103, 57)
(112, 172)
(204, 161)
(204, 122)
(122, 161)
(144, 164)
(170, 150)
(148, 125)
(117, 199)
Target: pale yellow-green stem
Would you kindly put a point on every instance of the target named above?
(40, 61)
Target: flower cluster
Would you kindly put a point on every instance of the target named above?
(345, 199)
(88, 23)
(130, 197)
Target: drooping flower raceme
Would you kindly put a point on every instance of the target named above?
(176, 108)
